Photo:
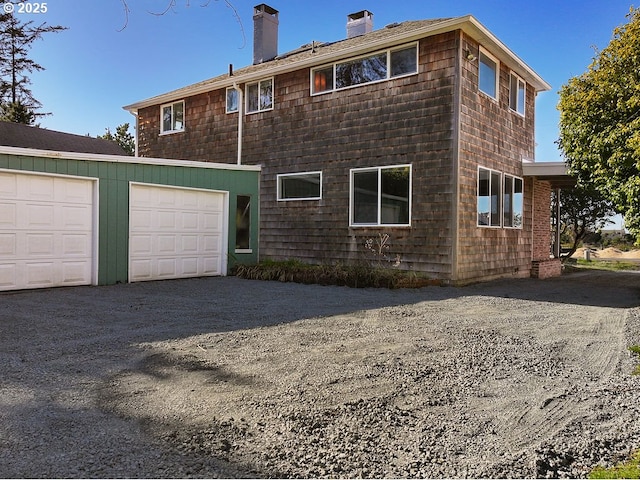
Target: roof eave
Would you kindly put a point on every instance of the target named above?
(469, 24)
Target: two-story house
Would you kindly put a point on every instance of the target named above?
(417, 130)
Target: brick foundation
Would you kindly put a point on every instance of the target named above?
(546, 268)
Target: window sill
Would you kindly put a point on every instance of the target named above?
(259, 111)
(243, 250)
(376, 225)
(170, 132)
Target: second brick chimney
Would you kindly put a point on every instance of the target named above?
(359, 23)
(265, 33)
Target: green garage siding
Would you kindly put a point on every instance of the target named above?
(114, 175)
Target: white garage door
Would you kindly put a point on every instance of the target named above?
(176, 232)
(46, 231)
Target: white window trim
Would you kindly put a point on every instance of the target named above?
(524, 106)
(514, 177)
(500, 197)
(246, 97)
(379, 169)
(388, 51)
(299, 174)
(226, 104)
(483, 51)
(171, 104)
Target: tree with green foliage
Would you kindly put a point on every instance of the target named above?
(122, 137)
(17, 103)
(583, 211)
(600, 123)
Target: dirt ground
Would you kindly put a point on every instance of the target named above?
(223, 377)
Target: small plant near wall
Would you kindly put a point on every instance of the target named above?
(379, 248)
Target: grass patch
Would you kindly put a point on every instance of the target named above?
(358, 276)
(629, 469)
(612, 265)
(635, 349)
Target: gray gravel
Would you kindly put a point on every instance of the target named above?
(222, 377)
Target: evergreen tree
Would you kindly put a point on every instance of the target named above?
(17, 103)
(122, 137)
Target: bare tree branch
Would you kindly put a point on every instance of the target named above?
(171, 5)
(125, 5)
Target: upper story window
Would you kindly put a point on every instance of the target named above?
(259, 96)
(232, 100)
(381, 196)
(300, 186)
(517, 90)
(367, 69)
(488, 74)
(172, 117)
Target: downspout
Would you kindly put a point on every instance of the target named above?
(240, 115)
(455, 167)
(556, 248)
(135, 114)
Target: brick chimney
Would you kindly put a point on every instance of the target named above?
(265, 33)
(359, 23)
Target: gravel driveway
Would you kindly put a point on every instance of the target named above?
(223, 377)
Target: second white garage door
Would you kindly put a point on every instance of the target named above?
(176, 232)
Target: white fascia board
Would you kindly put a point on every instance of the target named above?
(545, 169)
(32, 152)
(488, 40)
(468, 24)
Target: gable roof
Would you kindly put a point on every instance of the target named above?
(26, 136)
(316, 53)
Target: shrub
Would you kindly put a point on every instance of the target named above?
(359, 275)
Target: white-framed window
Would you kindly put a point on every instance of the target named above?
(172, 117)
(488, 74)
(517, 94)
(489, 197)
(300, 186)
(232, 100)
(380, 196)
(259, 96)
(512, 202)
(375, 67)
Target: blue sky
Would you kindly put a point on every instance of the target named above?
(97, 66)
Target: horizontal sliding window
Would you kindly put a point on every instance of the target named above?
(381, 196)
(300, 186)
(260, 96)
(172, 117)
(367, 69)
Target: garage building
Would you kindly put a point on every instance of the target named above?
(86, 218)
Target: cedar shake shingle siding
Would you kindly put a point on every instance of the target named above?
(437, 121)
(494, 137)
